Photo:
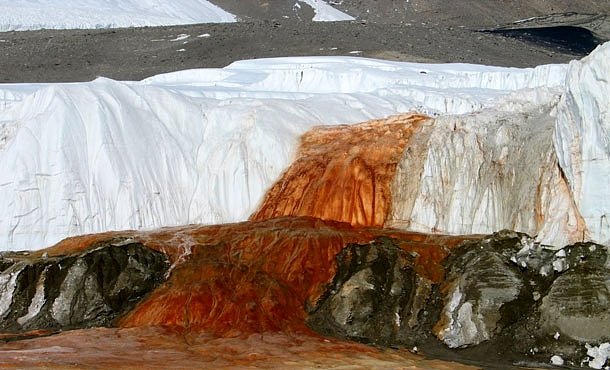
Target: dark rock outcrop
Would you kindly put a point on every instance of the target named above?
(572, 314)
(481, 284)
(577, 305)
(506, 286)
(556, 301)
(87, 289)
(376, 296)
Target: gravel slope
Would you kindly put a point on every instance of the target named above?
(136, 53)
(469, 13)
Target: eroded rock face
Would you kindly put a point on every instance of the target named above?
(87, 289)
(497, 288)
(578, 305)
(556, 301)
(574, 314)
(480, 285)
(376, 296)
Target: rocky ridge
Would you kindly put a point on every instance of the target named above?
(501, 287)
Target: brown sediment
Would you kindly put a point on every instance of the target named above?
(343, 173)
(162, 348)
(262, 275)
(236, 297)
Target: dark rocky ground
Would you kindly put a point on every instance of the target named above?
(496, 289)
(133, 54)
(468, 13)
(415, 30)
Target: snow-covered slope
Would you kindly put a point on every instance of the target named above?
(203, 146)
(20, 15)
(326, 13)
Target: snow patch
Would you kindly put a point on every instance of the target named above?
(557, 360)
(182, 36)
(22, 15)
(326, 13)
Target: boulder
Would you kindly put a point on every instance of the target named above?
(480, 286)
(87, 289)
(577, 304)
(375, 297)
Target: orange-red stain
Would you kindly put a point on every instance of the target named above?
(343, 173)
(259, 276)
(254, 276)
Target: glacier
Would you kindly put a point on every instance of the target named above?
(203, 146)
(582, 139)
(478, 172)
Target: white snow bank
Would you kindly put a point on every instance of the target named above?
(582, 139)
(433, 88)
(203, 146)
(21, 15)
(326, 13)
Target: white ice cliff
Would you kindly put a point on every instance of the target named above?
(474, 173)
(203, 146)
(582, 139)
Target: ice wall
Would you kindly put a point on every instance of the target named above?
(533, 164)
(582, 139)
(203, 146)
(486, 171)
(107, 155)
